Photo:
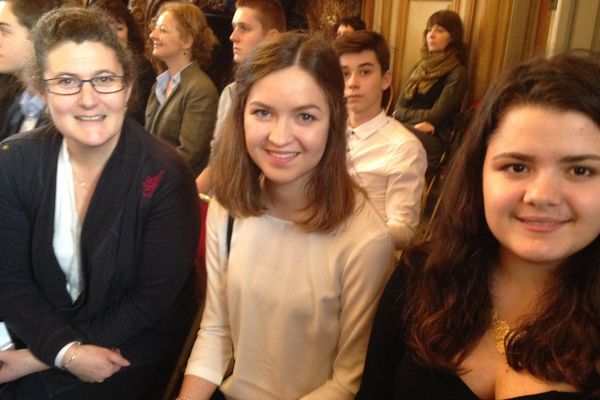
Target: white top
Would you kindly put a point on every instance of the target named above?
(293, 309)
(225, 100)
(67, 233)
(389, 162)
(67, 228)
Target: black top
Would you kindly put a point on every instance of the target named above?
(392, 373)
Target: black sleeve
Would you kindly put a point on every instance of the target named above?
(386, 344)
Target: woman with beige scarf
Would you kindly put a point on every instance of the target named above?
(436, 86)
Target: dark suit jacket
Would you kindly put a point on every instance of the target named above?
(187, 118)
(138, 242)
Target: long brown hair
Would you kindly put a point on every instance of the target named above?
(448, 306)
(236, 178)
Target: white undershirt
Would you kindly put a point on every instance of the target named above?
(67, 233)
(67, 228)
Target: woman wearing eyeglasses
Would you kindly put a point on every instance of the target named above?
(98, 227)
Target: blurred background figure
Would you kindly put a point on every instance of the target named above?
(130, 35)
(182, 107)
(22, 108)
(436, 86)
(253, 21)
(349, 24)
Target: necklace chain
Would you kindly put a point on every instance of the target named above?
(81, 183)
(499, 329)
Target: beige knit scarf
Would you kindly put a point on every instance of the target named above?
(432, 67)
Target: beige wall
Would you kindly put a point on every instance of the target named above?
(575, 25)
(499, 33)
(418, 12)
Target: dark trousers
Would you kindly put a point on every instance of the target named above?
(434, 146)
(217, 395)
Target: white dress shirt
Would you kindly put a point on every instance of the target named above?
(389, 163)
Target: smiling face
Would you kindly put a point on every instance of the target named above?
(438, 38)
(168, 43)
(247, 32)
(541, 184)
(87, 120)
(365, 83)
(16, 49)
(286, 125)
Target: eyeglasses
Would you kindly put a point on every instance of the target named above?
(71, 85)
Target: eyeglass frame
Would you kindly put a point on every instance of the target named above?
(90, 81)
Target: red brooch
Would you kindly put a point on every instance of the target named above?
(151, 182)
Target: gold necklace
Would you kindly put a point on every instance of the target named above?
(499, 329)
(80, 183)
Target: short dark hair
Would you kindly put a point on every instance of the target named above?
(271, 14)
(355, 22)
(78, 25)
(357, 41)
(120, 12)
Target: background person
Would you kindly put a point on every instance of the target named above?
(22, 108)
(502, 302)
(349, 24)
(130, 35)
(98, 230)
(182, 107)
(436, 86)
(253, 21)
(384, 157)
(290, 300)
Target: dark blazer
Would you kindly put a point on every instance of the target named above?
(187, 118)
(138, 242)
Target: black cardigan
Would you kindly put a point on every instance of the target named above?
(138, 242)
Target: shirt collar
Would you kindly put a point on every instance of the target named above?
(31, 104)
(365, 130)
(163, 79)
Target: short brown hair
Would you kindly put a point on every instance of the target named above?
(271, 14)
(236, 178)
(192, 23)
(358, 41)
(78, 25)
